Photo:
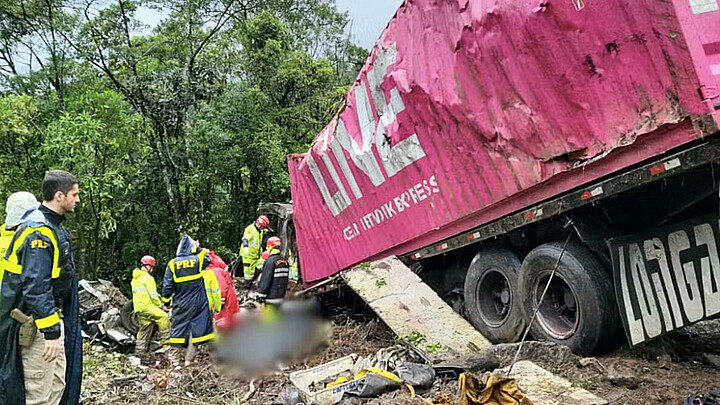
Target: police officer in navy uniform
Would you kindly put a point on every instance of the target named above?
(40, 281)
(183, 286)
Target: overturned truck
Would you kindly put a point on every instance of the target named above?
(480, 136)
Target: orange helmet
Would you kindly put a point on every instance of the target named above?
(274, 242)
(262, 221)
(148, 260)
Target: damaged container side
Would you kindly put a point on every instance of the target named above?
(468, 111)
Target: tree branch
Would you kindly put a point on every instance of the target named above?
(222, 20)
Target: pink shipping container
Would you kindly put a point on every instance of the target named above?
(467, 111)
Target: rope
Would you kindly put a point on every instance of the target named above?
(537, 308)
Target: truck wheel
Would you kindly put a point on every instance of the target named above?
(129, 319)
(579, 307)
(491, 301)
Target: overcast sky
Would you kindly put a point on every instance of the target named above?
(368, 18)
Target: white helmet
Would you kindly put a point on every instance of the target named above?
(16, 206)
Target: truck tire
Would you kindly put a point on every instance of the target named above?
(492, 304)
(129, 319)
(579, 309)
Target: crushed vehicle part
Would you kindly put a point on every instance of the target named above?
(303, 380)
(129, 318)
(101, 313)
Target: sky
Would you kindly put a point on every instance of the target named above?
(368, 18)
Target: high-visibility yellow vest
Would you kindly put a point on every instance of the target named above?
(5, 238)
(144, 291)
(212, 289)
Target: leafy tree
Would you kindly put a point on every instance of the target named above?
(184, 128)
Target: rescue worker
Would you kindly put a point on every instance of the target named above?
(230, 304)
(293, 262)
(148, 307)
(212, 290)
(252, 248)
(40, 335)
(15, 207)
(184, 286)
(274, 278)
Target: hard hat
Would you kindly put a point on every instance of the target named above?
(148, 260)
(262, 221)
(16, 206)
(274, 242)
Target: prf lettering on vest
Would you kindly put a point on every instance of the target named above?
(376, 132)
(185, 264)
(38, 244)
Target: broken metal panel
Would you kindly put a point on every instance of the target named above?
(100, 303)
(409, 306)
(468, 111)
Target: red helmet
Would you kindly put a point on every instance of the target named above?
(149, 260)
(274, 242)
(262, 221)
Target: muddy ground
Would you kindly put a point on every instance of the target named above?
(661, 372)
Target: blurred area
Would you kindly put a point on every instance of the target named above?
(264, 339)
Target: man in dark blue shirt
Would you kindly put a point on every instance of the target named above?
(40, 281)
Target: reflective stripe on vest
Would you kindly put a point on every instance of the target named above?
(190, 277)
(12, 264)
(5, 239)
(152, 294)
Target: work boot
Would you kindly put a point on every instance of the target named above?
(176, 355)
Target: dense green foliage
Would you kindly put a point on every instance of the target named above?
(179, 128)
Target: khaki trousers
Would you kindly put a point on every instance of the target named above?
(44, 382)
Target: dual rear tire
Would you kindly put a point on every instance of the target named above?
(578, 311)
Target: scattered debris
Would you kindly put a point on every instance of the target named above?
(113, 378)
(107, 315)
(419, 376)
(491, 388)
(712, 359)
(305, 381)
(592, 361)
(665, 362)
(622, 376)
(124, 381)
(712, 399)
(533, 350)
